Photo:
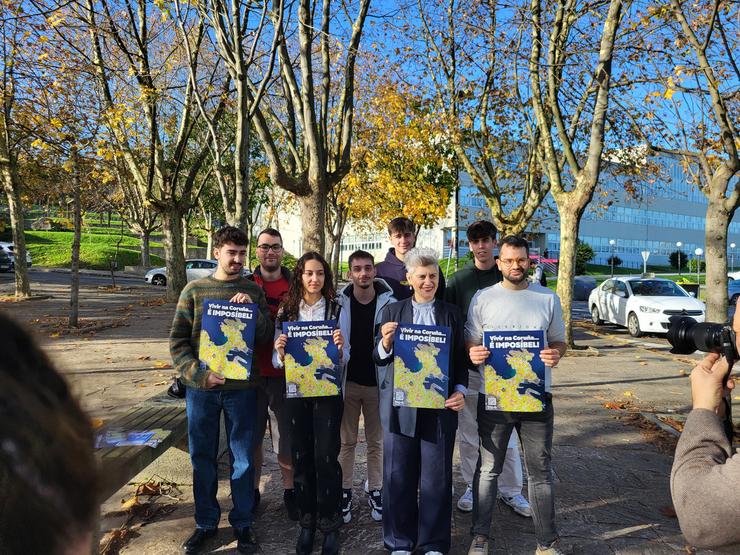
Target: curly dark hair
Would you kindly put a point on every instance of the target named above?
(48, 472)
(229, 234)
(289, 308)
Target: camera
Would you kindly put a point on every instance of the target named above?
(686, 335)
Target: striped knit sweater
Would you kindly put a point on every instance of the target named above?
(185, 334)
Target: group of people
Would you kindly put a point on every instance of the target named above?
(409, 450)
(50, 478)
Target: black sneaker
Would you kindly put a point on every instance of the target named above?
(246, 541)
(291, 504)
(375, 500)
(256, 503)
(346, 505)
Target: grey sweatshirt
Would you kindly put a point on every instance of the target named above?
(705, 482)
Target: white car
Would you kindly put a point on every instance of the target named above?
(642, 304)
(194, 269)
(9, 249)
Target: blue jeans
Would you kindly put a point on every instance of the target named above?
(204, 413)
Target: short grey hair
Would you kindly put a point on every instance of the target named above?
(419, 257)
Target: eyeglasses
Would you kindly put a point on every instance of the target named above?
(511, 261)
(273, 248)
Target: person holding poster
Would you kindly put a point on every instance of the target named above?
(418, 442)
(306, 332)
(522, 326)
(212, 389)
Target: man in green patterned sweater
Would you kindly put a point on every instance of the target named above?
(208, 394)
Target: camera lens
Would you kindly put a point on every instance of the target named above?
(686, 336)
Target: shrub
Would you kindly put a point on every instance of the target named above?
(692, 265)
(614, 260)
(584, 253)
(674, 256)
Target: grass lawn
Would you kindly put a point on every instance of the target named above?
(54, 249)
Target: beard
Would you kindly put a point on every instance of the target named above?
(270, 265)
(516, 280)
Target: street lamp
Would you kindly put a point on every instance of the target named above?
(698, 252)
(611, 260)
(679, 244)
(732, 257)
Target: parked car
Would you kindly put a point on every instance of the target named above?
(194, 269)
(642, 304)
(5, 264)
(733, 290)
(9, 249)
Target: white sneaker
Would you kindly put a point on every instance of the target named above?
(465, 503)
(400, 552)
(518, 503)
(433, 553)
(367, 486)
(479, 546)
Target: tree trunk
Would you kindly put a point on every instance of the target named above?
(313, 215)
(15, 207)
(336, 256)
(74, 293)
(209, 225)
(717, 221)
(144, 237)
(184, 237)
(569, 222)
(173, 252)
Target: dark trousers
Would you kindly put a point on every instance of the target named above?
(315, 424)
(535, 433)
(411, 465)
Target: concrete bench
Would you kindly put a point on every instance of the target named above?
(120, 464)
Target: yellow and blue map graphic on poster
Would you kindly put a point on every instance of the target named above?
(421, 366)
(227, 338)
(311, 359)
(514, 374)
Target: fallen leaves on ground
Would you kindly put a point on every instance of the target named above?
(142, 512)
(162, 364)
(156, 301)
(668, 511)
(57, 326)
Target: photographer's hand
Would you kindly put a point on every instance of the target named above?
(706, 383)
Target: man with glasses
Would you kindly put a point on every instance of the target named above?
(274, 279)
(478, 274)
(515, 304)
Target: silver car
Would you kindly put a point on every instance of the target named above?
(195, 268)
(9, 249)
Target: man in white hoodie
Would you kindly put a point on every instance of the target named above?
(362, 301)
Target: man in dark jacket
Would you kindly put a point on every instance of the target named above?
(401, 233)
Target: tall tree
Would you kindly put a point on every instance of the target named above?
(143, 74)
(239, 28)
(470, 63)
(688, 110)
(305, 127)
(14, 58)
(570, 72)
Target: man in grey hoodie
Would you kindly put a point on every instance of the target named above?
(705, 480)
(362, 301)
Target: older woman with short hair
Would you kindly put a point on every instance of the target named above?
(418, 442)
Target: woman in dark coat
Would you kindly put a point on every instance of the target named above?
(418, 442)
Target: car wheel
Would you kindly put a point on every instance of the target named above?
(633, 325)
(595, 318)
(733, 300)
(159, 279)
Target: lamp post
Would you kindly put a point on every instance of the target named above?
(611, 260)
(732, 257)
(698, 252)
(679, 244)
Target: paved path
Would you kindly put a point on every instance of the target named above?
(611, 474)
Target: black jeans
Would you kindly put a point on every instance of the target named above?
(315, 423)
(535, 433)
